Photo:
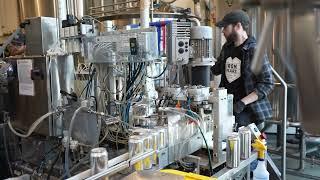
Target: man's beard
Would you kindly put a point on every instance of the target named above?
(232, 37)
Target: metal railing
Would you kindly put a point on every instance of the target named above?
(114, 8)
(283, 124)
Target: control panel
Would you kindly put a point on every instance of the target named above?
(178, 49)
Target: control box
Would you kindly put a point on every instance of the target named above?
(178, 37)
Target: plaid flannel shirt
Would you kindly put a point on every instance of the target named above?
(262, 83)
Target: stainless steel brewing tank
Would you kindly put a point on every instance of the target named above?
(36, 8)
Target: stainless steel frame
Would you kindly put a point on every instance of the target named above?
(227, 173)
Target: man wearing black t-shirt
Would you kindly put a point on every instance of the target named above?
(251, 104)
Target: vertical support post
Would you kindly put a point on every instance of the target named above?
(283, 125)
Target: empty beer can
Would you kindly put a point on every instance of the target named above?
(98, 160)
(136, 148)
(233, 151)
(163, 137)
(245, 142)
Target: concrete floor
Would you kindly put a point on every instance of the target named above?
(293, 164)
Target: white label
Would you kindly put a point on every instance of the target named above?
(26, 85)
(233, 69)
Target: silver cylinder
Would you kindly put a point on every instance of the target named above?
(233, 151)
(98, 160)
(136, 148)
(245, 142)
(148, 145)
(163, 137)
(201, 43)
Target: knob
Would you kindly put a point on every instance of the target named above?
(180, 43)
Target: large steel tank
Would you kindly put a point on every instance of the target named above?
(36, 8)
(51, 8)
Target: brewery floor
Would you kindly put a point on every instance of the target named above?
(311, 169)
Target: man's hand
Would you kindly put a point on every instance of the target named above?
(238, 107)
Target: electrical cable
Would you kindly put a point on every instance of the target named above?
(32, 127)
(89, 81)
(88, 90)
(164, 70)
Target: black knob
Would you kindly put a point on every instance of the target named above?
(181, 43)
(181, 50)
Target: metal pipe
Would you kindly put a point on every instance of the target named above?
(307, 151)
(67, 6)
(109, 12)
(273, 122)
(74, 12)
(152, 10)
(284, 124)
(303, 150)
(309, 160)
(144, 13)
(263, 43)
(307, 176)
(119, 3)
(196, 21)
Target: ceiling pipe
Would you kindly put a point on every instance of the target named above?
(144, 13)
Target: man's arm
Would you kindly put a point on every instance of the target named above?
(218, 67)
(264, 84)
(252, 97)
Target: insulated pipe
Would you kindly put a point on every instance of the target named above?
(196, 21)
(79, 8)
(144, 13)
(33, 126)
(197, 8)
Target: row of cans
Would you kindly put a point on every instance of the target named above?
(144, 140)
(238, 147)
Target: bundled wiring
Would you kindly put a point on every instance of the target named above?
(88, 85)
